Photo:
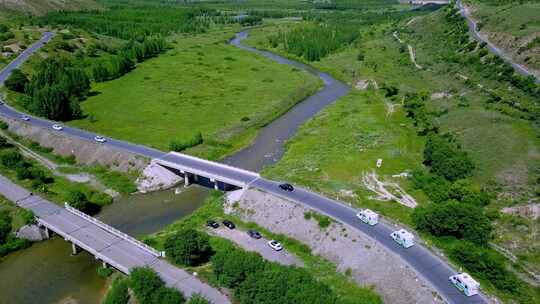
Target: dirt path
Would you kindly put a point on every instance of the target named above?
(413, 57)
(387, 191)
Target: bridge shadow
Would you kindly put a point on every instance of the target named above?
(202, 180)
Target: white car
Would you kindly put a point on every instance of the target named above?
(25, 117)
(465, 283)
(275, 245)
(100, 139)
(57, 127)
(403, 237)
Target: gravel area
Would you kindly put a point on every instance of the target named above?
(370, 264)
(242, 239)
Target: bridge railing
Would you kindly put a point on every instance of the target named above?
(115, 231)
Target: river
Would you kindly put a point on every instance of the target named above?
(46, 271)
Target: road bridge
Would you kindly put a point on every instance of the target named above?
(108, 245)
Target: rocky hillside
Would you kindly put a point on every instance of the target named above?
(40, 7)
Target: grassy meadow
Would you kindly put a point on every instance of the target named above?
(201, 85)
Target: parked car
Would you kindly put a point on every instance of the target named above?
(57, 127)
(212, 224)
(254, 234)
(25, 117)
(100, 139)
(286, 187)
(275, 245)
(229, 224)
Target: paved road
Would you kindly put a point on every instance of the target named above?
(473, 29)
(105, 245)
(425, 263)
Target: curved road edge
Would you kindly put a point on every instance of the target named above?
(429, 266)
(473, 29)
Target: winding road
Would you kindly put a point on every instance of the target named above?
(428, 265)
(473, 29)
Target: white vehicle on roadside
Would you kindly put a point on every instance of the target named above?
(367, 216)
(275, 245)
(100, 139)
(403, 237)
(465, 283)
(57, 127)
(25, 117)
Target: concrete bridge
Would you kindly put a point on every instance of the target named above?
(108, 245)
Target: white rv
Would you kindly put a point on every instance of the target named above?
(367, 216)
(465, 283)
(403, 237)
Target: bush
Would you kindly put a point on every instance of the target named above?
(144, 282)
(446, 158)
(4, 125)
(16, 81)
(178, 145)
(188, 247)
(232, 266)
(165, 295)
(460, 220)
(487, 264)
(118, 294)
(104, 272)
(5, 226)
(12, 159)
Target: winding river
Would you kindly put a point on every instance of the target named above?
(47, 272)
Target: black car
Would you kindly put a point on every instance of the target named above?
(212, 224)
(229, 224)
(254, 234)
(286, 187)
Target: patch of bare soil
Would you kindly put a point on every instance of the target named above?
(86, 152)
(531, 211)
(413, 57)
(387, 191)
(440, 95)
(370, 264)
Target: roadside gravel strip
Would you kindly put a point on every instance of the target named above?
(433, 269)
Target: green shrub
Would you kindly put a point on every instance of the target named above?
(188, 247)
(3, 125)
(166, 295)
(445, 157)
(16, 81)
(144, 282)
(118, 294)
(461, 220)
(5, 226)
(197, 299)
(104, 272)
(232, 266)
(179, 145)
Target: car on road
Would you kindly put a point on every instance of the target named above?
(212, 224)
(1, 102)
(254, 234)
(25, 117)
(229, 224)
(275, 245)
(367, 216)
(465, 283)
(286, 187)
(403, 237)
(57, 127)
(100, 139)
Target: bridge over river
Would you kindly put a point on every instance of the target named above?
(104, 242)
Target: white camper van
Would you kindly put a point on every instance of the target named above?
(367, 216)
(403, 237)
(465, 283)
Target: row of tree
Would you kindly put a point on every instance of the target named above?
(253, 279)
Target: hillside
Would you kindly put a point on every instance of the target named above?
(512, 26)
(40, 7)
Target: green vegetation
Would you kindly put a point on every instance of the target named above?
(324, 221)
(153, 106)
(188, 247)
(11, 219)
(343, 287)
(118, 292)
(149, 288)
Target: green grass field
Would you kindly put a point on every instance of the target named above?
(201, 85)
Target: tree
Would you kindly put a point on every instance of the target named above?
(188, 247)
(118, 294)
(232, 266)
(5, 226)
(446, 158)
(78, 200)
(197, 299)
(452, 218)
(144, 282)
(17, 81)
(165, 295)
